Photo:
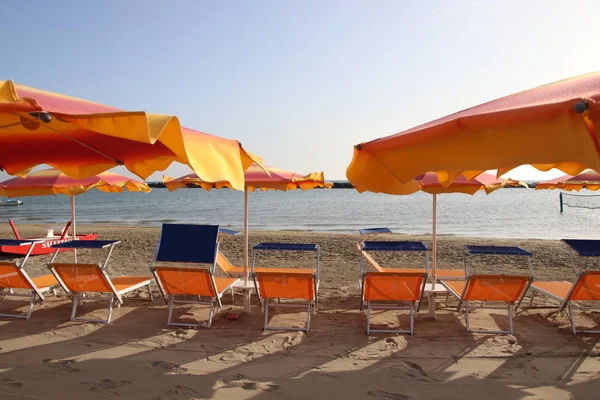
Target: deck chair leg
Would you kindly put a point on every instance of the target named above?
(210, 313)
(31, 303)
(572, 318)
(368, 317)
(170, 302)
(266, 306)
(308, 320)
(150, 294)
(75, 300)
(111, 301)
(232, 295)
(467, 315)
(510, 318)
(412, 320)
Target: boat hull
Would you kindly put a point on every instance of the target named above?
(44, 247)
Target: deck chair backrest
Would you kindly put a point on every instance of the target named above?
(393, 286)
(82, 278)
(188, 243)
(14, 277)
(14, 229)
(587, 287)
(287, 285)
(187, 281)
(506, 288)
(224, 263)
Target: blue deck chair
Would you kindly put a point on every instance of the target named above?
(189, 244)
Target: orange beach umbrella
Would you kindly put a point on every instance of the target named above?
(551, 126)
(589, 180)
(82, 138)
(53, 182)
(256, 177)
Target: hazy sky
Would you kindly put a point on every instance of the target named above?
(297, 82)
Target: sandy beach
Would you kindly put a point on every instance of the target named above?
(138, 357)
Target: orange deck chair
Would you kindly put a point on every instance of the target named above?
(495, 288)
(188, 245)
(381, 289)
(13, 277)
(287, 283)
(585, 290)
(79, 280)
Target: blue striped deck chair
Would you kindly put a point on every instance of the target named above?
(180, 279)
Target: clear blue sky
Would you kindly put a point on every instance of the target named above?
(298, 82)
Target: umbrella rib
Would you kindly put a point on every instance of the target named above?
(68, 137)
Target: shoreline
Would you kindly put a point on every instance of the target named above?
(157, 225)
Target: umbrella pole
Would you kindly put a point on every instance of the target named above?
(433, 259)
(246, 266)
(73, 227)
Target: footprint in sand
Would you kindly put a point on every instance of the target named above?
(389, 395)
(179, 392)
(106, 386)
(174, 368)
(11, 383)
(246, 384)
(414, 371)
(61, 365)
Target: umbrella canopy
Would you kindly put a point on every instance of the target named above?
(256, 177)
(82, 138)
(552, 126)
(53, 182)
(589, 180)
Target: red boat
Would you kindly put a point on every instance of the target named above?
(48, 240)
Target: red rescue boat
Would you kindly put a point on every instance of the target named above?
(49, 240)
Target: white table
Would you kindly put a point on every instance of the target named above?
(431, 292)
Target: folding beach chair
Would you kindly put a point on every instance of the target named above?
(80, 280)
(382, 289)
(586, 288)
(189, 244)
(287, 283)
(13, 277)
(496, 288)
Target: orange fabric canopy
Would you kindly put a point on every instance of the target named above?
(53, 182)
(589, 180)
(552, 126)
(256, 177)
(82, 138)
(430, 183)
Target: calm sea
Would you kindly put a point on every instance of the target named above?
(518, 213)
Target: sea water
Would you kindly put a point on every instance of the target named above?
(513, 213)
